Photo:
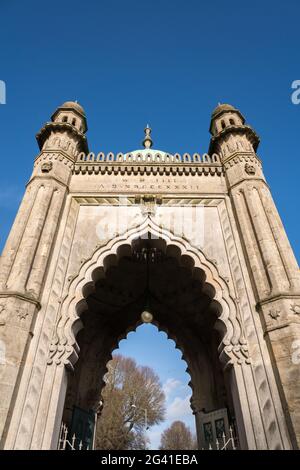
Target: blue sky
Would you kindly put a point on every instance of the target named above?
(164, 62)
(153, 348)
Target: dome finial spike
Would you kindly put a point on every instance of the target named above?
(147, 142)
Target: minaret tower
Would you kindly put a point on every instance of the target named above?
(29, 246)
(272, 266)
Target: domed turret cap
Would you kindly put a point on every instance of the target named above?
(223, 108)
(71, 106)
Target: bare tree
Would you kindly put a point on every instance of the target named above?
(133, 401)
(178, 437)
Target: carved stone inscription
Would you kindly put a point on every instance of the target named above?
(147, 183)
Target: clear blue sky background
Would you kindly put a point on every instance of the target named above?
(163, 62)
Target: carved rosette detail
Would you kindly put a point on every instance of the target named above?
(274, 314)
(21, 313)
(295, 308)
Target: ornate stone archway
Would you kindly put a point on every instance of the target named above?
(232, 350)
(45, 291)
(64, 348)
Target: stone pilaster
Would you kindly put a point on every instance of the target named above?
(272, 265)
(29, 246)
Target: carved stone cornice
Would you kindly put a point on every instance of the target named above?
(279, 326)
(50, 155)
(238, 183)
(47, 177)
(22, 296)
(274, 298)
(235, 354)
(282, 314)
(241, 157)
(233, 129)
(108, 199)
(151, 169)
(50, 127)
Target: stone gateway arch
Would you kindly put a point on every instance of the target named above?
(194, 239)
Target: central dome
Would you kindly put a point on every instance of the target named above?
(147, 154)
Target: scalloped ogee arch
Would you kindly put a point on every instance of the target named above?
(74, 303)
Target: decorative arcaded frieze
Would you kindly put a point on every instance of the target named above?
(59, 156)
(148, 163)
(149, 157)
(248, 158)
